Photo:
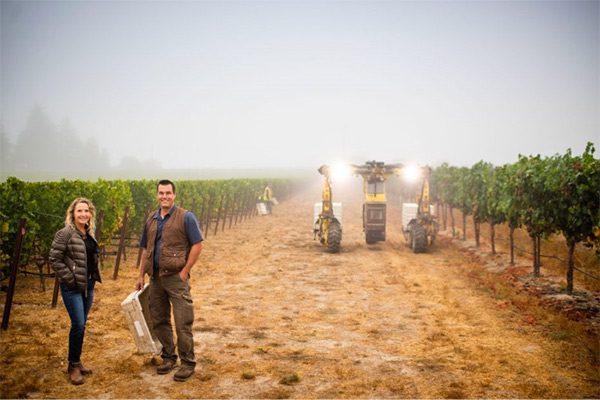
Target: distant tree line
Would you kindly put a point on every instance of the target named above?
(44, 147)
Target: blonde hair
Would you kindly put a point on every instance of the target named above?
(70, 217)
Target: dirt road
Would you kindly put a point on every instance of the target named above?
(277, 317)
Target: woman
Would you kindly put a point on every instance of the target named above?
(74, 258)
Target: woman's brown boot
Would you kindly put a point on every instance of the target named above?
(75, 376)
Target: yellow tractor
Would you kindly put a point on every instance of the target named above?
(422, 227)
(374, 174)
(327, 227)
(420, 230)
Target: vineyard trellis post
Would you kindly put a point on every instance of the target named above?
(243, 206)
(234, 209)
(202, 212)
(219, 212)
(225, 210)
(121, 248)
(477, 231)
(193, 208)
(512, 243)
(98, 233)
(208, 214)
(238, 205)
(140, 250)
(13, 273)
(250, 205)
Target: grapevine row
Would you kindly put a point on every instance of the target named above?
(545, 195)
(44, 204)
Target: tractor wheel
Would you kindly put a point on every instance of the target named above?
(334, 236)
(419, 238)
(369, 238)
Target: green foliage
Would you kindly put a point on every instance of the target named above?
(536, 199)
(441, 178)
(575, 181)
(509, 185)
(44, 205)
(143, 194)
(13, 200)
(544, 194)
(496, 184)
(461, 196)
(479, 179)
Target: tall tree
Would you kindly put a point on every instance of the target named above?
(44, 147)
(36, 148)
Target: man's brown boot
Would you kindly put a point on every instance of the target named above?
(165, 367)
(75, 376)
(184, 372)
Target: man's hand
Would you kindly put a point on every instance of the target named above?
(195, 250)
(184, 275)
(140, 283)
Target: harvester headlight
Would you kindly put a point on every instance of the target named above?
(340, 172)
(411, 173)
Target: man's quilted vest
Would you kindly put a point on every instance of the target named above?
(174, 245)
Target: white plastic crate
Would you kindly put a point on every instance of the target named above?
(137, 312)
(261, 208)
(409, 211)
(337, 211)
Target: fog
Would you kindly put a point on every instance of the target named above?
(254, 86)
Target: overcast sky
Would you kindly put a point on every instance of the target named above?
(299, 83)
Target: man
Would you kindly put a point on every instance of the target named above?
(172, 242)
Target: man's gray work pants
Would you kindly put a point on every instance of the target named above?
(164, 292)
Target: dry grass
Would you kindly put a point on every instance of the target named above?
(279, 317)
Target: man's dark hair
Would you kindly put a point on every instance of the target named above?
(165, 182)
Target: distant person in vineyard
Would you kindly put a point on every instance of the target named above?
(74, 258)
(172, 242)
(268, 198)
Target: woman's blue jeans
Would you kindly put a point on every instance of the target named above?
(78, 307)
